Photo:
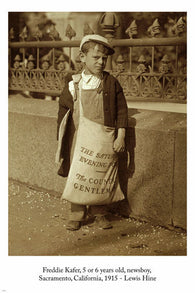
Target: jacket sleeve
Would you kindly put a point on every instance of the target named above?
(65, 103)
(121, 107)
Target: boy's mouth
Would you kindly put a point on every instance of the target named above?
(99, 67)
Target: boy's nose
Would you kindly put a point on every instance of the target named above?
(101, 60)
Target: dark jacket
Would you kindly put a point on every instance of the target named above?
(115, 112)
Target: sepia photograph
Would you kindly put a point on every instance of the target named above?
(97, 133)
(97, 147)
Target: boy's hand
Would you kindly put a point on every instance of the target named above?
(119, 143)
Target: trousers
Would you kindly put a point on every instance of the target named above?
(78, 212)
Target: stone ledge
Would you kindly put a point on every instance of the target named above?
(156, 142)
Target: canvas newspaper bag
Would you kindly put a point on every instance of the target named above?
(93, 175)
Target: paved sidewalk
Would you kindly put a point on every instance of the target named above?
(37, 226)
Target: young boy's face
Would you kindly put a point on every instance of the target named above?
(95, 60)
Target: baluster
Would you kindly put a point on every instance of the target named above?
(109, 23)
(37, 58)
(30, 64)
(120, 63)
(17, 61)
(131, 31)
(154, 31)
(70, 33)
(53, 58)
(87, 30)
(11, 37)
(152, 59)
(61, 62)
(141, 68)
(176, 58)
(37, 35)
(54, 35)
(23, 35)
(178, 29)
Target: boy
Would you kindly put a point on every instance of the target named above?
(96, 105)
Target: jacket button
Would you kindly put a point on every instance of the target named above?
(106, 94)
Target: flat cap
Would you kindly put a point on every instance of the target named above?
(98, 39)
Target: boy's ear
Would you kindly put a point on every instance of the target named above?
(82, 57)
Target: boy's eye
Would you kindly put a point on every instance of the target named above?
(97, 57)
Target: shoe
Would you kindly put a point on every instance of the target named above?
(73, 225)
(102, 222)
